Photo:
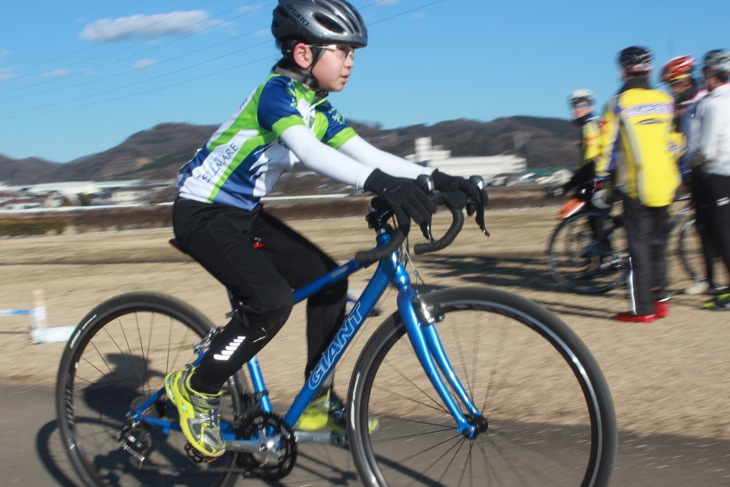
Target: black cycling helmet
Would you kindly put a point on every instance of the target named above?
(635, 59)
(319, 22)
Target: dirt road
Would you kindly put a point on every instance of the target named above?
(670, 377)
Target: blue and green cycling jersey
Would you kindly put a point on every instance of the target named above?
(245, 157)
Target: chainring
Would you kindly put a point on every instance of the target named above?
(267, 464)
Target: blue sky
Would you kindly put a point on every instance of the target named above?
(80, 76)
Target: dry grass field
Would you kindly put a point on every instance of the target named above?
(672, 376)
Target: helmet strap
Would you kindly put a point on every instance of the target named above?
(290, 68)
(304, 77)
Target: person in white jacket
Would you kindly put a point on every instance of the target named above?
(711, 150)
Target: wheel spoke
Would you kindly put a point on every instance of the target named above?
(530, 374)
(587, 253)
(127, 347)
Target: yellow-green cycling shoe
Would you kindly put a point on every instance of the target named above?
(199, 413)
(718, 303)
(328, 411)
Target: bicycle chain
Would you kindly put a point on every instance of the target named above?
(244, 426)
(246, 472)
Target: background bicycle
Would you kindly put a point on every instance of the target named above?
(589, 265)
(531, 403)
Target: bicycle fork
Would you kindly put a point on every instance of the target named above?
(419, 319)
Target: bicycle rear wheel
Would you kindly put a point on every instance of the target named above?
(584, 264)
(117, 357)
(550, 416)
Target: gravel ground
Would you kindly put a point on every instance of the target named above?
(670, 377)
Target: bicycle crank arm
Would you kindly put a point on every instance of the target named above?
(320, 437)
(265, 447)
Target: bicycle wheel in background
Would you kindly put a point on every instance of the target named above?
(583, 264)
(689, 249)
(549, 413)
(118, 356)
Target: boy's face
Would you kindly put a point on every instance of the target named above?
(334, 67)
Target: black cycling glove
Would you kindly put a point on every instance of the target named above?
(445, 183)
(405, 198)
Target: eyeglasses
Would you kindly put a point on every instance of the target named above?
(342, 51)
(583, 104)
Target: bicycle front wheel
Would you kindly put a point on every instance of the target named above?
(586, 264)
(549, 414)
(117, 358)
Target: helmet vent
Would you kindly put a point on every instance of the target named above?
(328, 24)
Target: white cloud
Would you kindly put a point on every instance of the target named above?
(247, 9)
(143, 63)
(6, 74)
(4, 52)
(55, 73)
(147, 26)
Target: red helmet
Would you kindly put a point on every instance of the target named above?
(678, 68)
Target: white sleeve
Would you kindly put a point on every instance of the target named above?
(361, 150)
(709, 131)
(323, 159)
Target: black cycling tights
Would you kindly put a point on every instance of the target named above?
(717, 191)
(220, 238)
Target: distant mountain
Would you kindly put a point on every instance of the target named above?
(157, 153)
(25, 171)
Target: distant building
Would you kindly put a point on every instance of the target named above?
(20, 203)
(488, 167)
(66, 188)
(82, 193)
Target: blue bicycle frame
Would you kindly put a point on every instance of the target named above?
(416, 318)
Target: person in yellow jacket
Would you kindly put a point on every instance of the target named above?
(636, 130)
(581, 105)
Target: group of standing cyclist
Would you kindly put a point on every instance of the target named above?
(648, 142)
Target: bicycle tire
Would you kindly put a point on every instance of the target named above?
(550, 414)
(120, 353)
(689, 250)
(576, 259)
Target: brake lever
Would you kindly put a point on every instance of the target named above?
(484, 230)
(478, 206)
(425, 182)
(427, 232)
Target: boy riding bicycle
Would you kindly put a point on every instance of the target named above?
(218, 213)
